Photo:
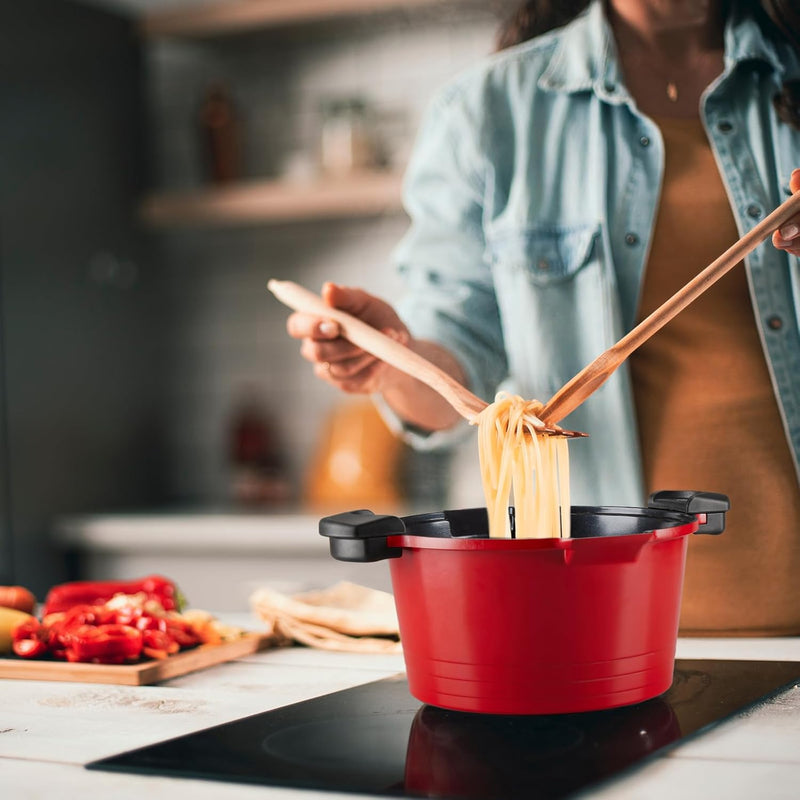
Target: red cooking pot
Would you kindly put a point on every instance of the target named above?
(535, 626)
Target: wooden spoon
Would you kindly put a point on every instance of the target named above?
(386, 349)
(594, 375)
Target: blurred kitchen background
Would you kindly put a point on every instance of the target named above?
(160, 160)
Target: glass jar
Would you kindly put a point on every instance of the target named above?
(347, 141)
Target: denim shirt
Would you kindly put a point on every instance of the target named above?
(533, 190)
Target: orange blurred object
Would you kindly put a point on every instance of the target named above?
(357, 463)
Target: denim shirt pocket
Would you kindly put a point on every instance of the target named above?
(549, 255)
(554, 288)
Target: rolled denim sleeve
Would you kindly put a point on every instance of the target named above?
(450, 296)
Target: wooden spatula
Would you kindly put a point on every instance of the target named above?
(593, 376)
(386, 349)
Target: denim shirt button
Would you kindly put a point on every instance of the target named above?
(775, 322)
(724, 126)
(754, 211)
(631, 239)
(644, 141)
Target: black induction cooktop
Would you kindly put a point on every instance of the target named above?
(377, 739)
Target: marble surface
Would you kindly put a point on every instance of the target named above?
(49, 730)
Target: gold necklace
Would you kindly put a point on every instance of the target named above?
(671, 86)
(672, 92)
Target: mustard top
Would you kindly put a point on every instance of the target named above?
(707, 413)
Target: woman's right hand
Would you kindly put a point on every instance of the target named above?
(788, 237)
(336, 360)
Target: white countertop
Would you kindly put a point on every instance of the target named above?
(214, 532)
(49, 730)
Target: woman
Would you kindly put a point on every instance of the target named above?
(564, 188)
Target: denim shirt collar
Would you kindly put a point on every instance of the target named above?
(745, 41)
(584, 58)
(598, 69)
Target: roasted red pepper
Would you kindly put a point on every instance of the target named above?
(155, 587)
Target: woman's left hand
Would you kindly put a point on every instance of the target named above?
(788, 236)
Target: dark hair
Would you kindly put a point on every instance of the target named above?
(781, 19)
(535, 17)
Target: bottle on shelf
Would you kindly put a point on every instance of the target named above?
(220, 135)
(258, 469)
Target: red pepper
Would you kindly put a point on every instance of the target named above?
(158, 644)
(82, 615)
(30, 639)
(117, 633)
(30, 629)
(103, 644)
(155, 587)
(182, 632)
(146, 623)
(29, 648)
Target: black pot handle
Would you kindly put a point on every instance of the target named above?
(710, 507)
(361, 535)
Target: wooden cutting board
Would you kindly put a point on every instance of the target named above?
(138, 674)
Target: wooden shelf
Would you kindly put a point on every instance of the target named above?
(263, 202)
(216, 18)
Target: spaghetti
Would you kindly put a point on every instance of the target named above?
(518, 462)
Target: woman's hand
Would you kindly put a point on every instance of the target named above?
(355, 371)
(788, 236)
(336, 360)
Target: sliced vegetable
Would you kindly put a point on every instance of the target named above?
(182, 632)
(30, 628)
(121, 630)
(159, 644)
(155, 587)
(10, 619)
(103, 644)
(82, 615)
(17, 597)
(30, 648)
(209, 629)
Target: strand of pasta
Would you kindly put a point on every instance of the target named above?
(522, 467)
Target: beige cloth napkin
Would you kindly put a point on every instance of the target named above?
(345, 617)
